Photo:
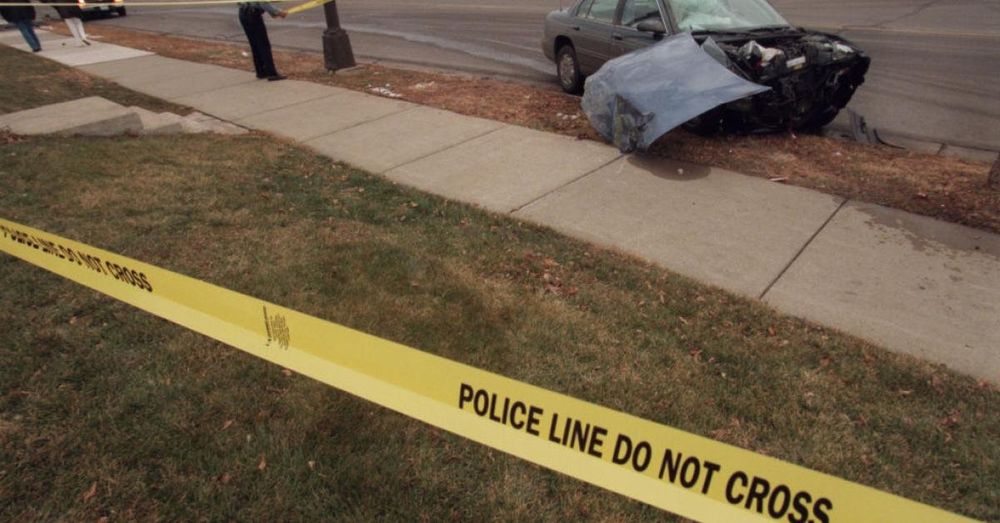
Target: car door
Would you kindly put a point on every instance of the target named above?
(625, 38)
(593, 25)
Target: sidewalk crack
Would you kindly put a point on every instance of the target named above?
(359, 124)
(803, 248)
(446, 148)
(567, 184)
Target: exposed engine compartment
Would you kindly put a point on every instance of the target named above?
(812, 77)
(742, 82)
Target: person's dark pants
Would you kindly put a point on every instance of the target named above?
(27, 28)
(252, 20)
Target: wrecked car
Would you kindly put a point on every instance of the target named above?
(809, 76)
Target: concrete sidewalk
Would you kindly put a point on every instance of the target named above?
(912, 284)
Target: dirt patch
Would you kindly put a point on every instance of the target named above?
(941, 187)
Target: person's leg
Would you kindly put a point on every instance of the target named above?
(28, 33)
(250, 27)
(80, 30)
(35, 43)
(267, 57)
(72, 29)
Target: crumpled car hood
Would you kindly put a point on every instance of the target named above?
(638, 97)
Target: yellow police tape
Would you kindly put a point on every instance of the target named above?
(689, 475)
(167, 3)
(306, 5)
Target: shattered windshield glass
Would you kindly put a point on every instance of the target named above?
(724, 15)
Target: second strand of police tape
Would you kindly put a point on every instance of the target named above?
(310, 4)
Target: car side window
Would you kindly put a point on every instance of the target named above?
(584, 8)
(601, 11)
(635, 11)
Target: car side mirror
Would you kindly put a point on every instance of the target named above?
(652, 26)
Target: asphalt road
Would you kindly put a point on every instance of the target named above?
(935, 73)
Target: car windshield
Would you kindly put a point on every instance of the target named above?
(724, 15)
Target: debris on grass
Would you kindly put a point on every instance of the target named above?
(7, 137)
(384, 91)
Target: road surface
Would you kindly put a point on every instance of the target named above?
(935, 74)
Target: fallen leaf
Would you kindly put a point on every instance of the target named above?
(950, 420)
(286, 372)
(263, 463)
(228, 423)
(312, 465)
(771, 331)
(225, 478)
(90, 493)
(904, 393)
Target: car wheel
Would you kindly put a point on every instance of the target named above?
(120, 11)
(707, 124)
(568, 70)
(819, 119)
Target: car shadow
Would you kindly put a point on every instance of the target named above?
(668, 169)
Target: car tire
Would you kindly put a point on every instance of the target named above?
(568, 70)
(707, 124)
(819, 120)
(120, 11)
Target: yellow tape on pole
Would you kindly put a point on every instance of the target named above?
(692, 476)
(306, 5)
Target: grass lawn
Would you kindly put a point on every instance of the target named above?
(106, 411)
(28, 81)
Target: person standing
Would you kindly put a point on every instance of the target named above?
(24, 18)
(72, 15)
(252, 20)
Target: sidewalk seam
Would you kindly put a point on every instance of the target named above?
(283, 107)
(359, 124)
(567, 184)
(447, 148)
(803, 249)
